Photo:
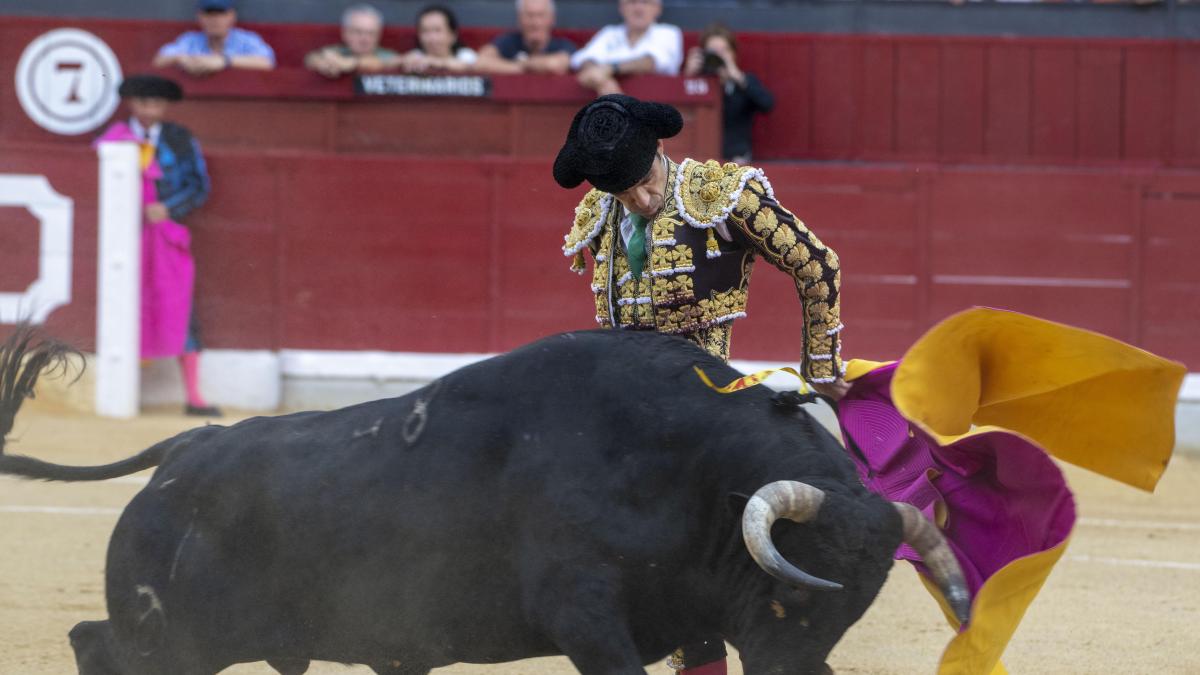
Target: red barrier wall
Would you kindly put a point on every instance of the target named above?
(463, 255)
(979, 100)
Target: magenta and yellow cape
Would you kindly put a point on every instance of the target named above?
(964, 427)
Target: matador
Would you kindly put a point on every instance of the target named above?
(673, 246)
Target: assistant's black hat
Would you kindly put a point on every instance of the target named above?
(612, 141)
(150, 86)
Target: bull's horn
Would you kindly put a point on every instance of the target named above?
(925, 538)
(789, 499)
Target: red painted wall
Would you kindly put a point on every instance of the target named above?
(1048, 176)
(979, 100)
(461, 255)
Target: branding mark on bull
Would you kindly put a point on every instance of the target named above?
(179, 549)
(373, 430)
(414, 424)
(151, 623)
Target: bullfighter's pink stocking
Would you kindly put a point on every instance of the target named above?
(189, 365)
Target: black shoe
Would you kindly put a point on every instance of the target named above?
(201, 410)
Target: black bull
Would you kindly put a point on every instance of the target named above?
(582, 495)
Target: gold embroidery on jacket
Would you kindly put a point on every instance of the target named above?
(666, 297)
(788, 244)
(709, 189)
(720, 307)
(673, 290)
(714, 339)
(671, 260)
(594, 207)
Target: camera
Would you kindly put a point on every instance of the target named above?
(712, 63)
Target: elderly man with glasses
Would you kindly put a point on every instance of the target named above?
(359, 51)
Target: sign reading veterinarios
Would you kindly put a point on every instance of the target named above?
(412, 85)
(67, 81)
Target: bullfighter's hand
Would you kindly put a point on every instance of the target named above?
(156, 212)
(834, 390)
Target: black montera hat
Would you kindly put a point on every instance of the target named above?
(150, 86)
(612, 140)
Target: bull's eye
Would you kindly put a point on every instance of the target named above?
(800, 596)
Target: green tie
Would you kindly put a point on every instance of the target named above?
(637, 246)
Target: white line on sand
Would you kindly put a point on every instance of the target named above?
(1139, 524)
(63, 510)
(1131, 562)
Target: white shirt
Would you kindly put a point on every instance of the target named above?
(464, 54)
(662, 42)
(147, 135)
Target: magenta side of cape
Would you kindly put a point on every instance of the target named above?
(1003, 497)
(168, 271)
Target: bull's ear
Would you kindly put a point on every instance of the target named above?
(736, 502)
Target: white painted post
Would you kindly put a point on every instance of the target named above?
(118, 291)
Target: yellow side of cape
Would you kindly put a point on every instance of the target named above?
(1085, 398)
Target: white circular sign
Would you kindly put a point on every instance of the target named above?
(67, 81)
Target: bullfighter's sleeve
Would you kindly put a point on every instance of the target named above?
(783, 239)
(191, 186)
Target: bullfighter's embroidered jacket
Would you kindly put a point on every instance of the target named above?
(700, 252)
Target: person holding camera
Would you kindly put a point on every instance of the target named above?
(744, 94)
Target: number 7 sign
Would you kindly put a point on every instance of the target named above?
(67, 81)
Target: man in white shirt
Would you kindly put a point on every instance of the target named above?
(640, 45)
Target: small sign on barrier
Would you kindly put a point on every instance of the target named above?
(467, 86)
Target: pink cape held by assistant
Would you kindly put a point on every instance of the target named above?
(168, 270)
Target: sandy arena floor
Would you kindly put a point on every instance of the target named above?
(1125, 599)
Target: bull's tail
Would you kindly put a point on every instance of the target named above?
(23, 358)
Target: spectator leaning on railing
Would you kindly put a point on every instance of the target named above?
(438, 46)
(218, 45)
(532, 48)
(743, 94)
(359, 51)
(639, 45)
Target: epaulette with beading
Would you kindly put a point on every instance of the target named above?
(590, 215)
(706, 193)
